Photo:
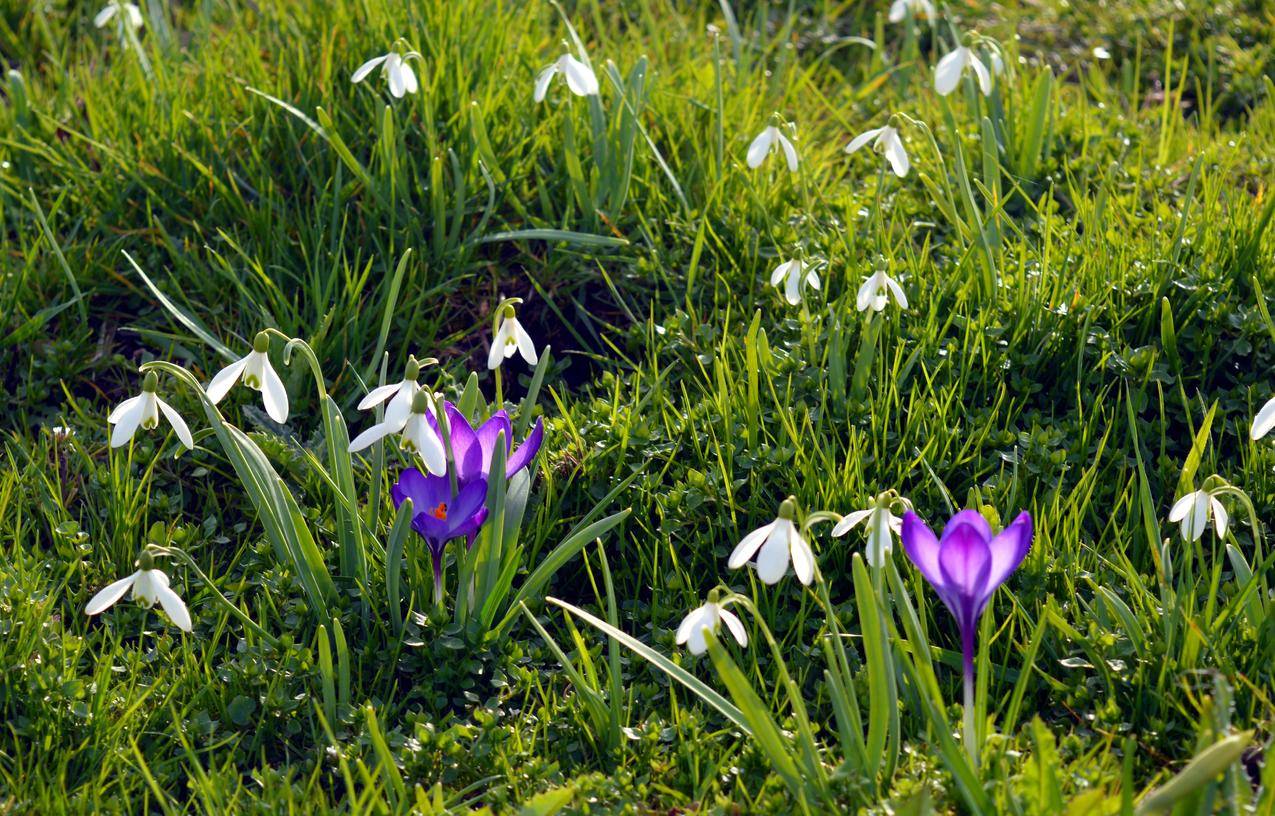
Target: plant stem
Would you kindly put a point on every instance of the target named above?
(967, 654)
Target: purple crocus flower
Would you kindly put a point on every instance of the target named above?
(965, 566)
(438, 515)
(473, 448)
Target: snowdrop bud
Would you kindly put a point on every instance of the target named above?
(145, 561)
(788, 510)
(412, 370)
(261, 343)
(420, 402)
(150, 382)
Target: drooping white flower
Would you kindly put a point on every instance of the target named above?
(400, 75)
(885, 140)
(416, 434)
(1264, 421)
(149, 586)
(882, 526)
(708, 618)
(255, 371)
(948, 73)
(791, 275)
(127, 17)
(910, 8)
(579, 76)
(143, 411)
(765, 143)
(1193, 511)
(510, 338)
(399, 394)
(775, 544)
(874, 293)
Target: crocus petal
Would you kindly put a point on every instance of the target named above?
(947, 74)
(965, 561)
(542, 82)
(107, 597)
(1264, 421)
(175, 607)
(748, 546)
(972, 518)
(468, 500)
(527, 450)
(425, 493)
(179, 424)
(772, 558)
(897, 156)
(273, 394)
(922, 548)
(790, 152)
(980, 71)
(803, 558)
(863, 138)
(850, 521)
(760, 147)
(1220, 517)
(467, 451)
(378, 395)
(1008, 550)
(735, 626)
(225, 380)
(580, 78)
(126, 422)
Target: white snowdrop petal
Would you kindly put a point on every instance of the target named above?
(849, 522)
(947, 74)
(760, 147)
(179, 424)
(1220, 517)
(542, 82)
(980, 71)
(273, 394)
(363, 70)
(373, 434)
(225, 380)
(378, 395)
(790, 152)
(1181, 506)
(735, 625)
(107, 597)
(896, 155)
(174, 607)
(862, 139)
(127, 422)
(123, 408)
(745, 549)
(772, 558)
(104, 16)
(1264, 421)
(580, 77)
(525, 347)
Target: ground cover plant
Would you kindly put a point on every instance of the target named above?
(637, 407)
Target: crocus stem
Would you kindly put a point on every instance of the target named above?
(967, 654)
(438, 578)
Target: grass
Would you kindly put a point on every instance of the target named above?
(1089, 266)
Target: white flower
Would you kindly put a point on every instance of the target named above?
(143, 411)
(1099, 52)
(1264, 421)
(905, 8)
(948, 73)
(399, 394)
(708, 618)
(790, 276)
(874, 293)
(149, 585)
(510, 338)
(1194, 509)
(416, 434)
(580, 77)
(127, 16)
(885, 140)
(256, 372)
(774, 544)
(765, 143)
(401, 77)
(881, 525)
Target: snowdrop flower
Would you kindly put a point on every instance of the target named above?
(790, 276)
(1099, 52)
(765, 144)
(416, 434)
(874, 293)
(948, 73)
(1264, 421)
(709, 618)
(510, 338)
(143, 411)
(774, 545)
(579, 76)
(882, 526)
(401, 77)
(127, 16)
(254, 371)
(399, 394)
(1193, 511)
(885, 140)
(909, 8)
(149, 585)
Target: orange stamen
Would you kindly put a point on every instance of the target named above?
(440, 512)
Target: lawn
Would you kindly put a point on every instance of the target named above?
(553, 416)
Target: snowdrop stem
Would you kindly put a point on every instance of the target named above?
(181, 555)
(500, 390)
(310, 357)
